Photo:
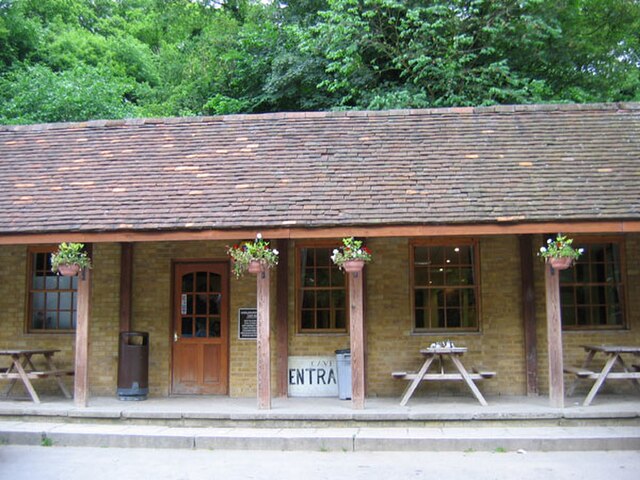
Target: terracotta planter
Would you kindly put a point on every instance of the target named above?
(561, 263)
(69, 270)
(256, 266)
(353, 266)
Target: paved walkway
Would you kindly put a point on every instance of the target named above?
(459, 408)
(53, 463)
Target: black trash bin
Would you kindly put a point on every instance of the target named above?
(133, 366)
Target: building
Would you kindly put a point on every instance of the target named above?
(454, 203)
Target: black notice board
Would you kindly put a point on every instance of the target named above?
(248, 323)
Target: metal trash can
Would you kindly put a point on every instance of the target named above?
(343, 362)
(133, 366)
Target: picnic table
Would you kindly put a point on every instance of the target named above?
(441, 354)
(22, 368)
(614, 354)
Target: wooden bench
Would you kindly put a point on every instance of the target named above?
(36, 374)
(478, 374)
(586, 373)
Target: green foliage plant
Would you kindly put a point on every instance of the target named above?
(351, 249)
(559, 248)
(244, 253)
(70, 254)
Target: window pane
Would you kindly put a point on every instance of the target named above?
(201, 327)
(66, 300)
(187, 283)
(322, 277)
(215, 282)
(421, 277)
(323, 319)
(65, 320)
(323, 291)
(337, 299)
(594, 287)
(308, 300)
(308, 277)
(322, 299)
(64, 283)
(187, 327)
(214, 304)
(201, 282)
(214, 327)
(445, 297)
(308, 319)
(201, 304)
(52, 298)
(323, 257)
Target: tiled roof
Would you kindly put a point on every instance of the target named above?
(406, 167)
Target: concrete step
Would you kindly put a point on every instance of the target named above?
(323, 439)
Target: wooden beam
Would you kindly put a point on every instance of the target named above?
(554, 337)
(282, 319)
(126, 285)
(498, 228)
(529, 314)
(356, 324)
(263, 342)
(81, 367)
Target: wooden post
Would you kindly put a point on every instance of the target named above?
(126, 282)
(529, 314)
(81, 379)
(356, 319)
(554, 337)
(282, 319)
(263, 345)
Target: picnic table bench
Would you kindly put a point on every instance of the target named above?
(588, 371)
(22, 368)
(442, 353)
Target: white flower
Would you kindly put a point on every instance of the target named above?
(335, 251)
(275, 251)
(259, 236)
(549, 240)
(581, 251)
(542, 249)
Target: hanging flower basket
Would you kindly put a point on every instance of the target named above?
(353, 266)
(351, 256)
(560, 263)
(559, 253)
(256, 266)
(69, 259)
(69, 270)
(253, 257)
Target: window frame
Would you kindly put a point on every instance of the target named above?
(330, 245)
(446, 242)
(584, 242)
(30, 289)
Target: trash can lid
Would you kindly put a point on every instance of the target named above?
(343, 351)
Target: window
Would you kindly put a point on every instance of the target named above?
(322, 291)
(445, 286)
(52, 298)
(592, 292)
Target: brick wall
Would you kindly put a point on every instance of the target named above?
(391, 345)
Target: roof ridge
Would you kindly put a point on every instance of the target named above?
(521, 108)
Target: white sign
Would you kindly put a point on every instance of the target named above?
(313, 377)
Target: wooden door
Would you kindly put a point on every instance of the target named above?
(200, 329)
